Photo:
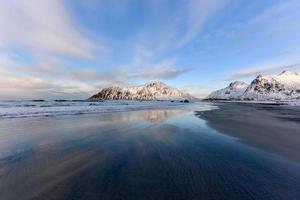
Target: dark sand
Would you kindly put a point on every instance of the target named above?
(273, 128)
(151, 154)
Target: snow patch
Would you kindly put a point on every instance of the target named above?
(155, 90)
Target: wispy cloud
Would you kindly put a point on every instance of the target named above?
(198, 12)
(41, 26)
(281, 11)
(163, 70)
(55, 69)
(15, 87)
(26, 85)
(264, 70)
(279, 20)
(151, 49)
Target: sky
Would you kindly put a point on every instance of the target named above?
(70, 49)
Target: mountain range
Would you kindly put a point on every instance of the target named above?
(155, 90)
(285, 86)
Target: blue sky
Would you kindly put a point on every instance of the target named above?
(70, 49)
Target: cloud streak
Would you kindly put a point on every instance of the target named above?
(45, 77)
(17, 87)
(268, 69)
(163, 70)
(41, 26)
(197, 14)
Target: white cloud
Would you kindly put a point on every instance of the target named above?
(280, 19)
(267, 69)
(48, 79)
(162, 70)
(198, 12)
(41, 26)
(15, 87)
(283, 10)
(54, 69)
(174, 31)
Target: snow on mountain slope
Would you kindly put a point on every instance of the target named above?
(285, 86)
(290, 79)
(155, 90)
(233, 91)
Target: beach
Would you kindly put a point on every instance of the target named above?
(191, 151)
(271, 127)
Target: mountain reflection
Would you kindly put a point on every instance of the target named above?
(150, 116)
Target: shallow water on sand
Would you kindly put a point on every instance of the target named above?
(149, 154)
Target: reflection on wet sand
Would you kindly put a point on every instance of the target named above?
(151, 154)
(47, 152)
(151, 116)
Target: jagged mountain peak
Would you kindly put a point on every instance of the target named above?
(154, 90)
(259, 76)
(156, 83)
(285, 86)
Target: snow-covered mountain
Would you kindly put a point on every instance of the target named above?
(155, 90)
(233, 91)
(285, 86)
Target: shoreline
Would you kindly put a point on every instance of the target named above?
(54, 109)
(264, 102)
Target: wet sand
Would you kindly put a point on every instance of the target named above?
(150, 154)
(273, 128)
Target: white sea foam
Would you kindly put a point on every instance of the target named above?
(22, 109)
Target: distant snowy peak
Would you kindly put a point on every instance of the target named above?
(155, 90)
(285, 86)
(233, 91)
